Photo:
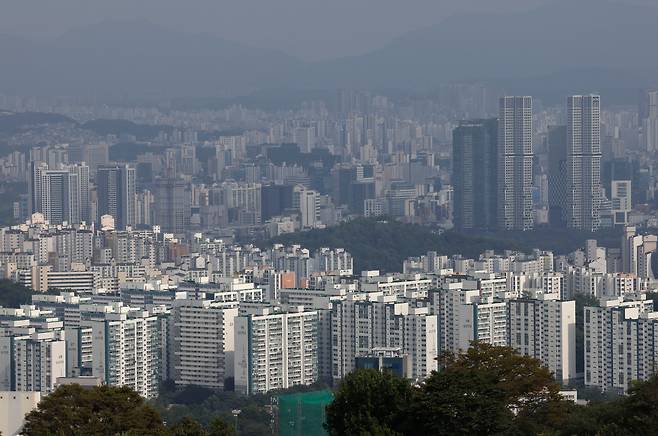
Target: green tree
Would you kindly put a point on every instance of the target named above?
(369, 402)
(219, 427)
(14, 294)
(75, 411)
(639, 410)
(487, 390)
(187, 427)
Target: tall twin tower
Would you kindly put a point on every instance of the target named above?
(493, 166)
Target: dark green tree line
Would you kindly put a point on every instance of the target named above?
(489, 391)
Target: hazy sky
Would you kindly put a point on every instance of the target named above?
(311, 29)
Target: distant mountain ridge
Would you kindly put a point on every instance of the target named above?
(11, 122)
(137, 58)
(592, 44)
(606, 38)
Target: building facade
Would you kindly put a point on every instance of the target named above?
(275, 350)
(515, 160)
(475, 174)
(584, 162)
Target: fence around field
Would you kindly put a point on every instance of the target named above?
(304, 413)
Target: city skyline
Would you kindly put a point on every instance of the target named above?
(329, 219)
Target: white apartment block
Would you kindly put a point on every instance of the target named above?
(359, 324)
(545, 329)
(464, 316)
(411, 285)
(446, 305)
(125, 347)
(621, 345)
(336, 260)
(32, 362)
(522, 284)
(225, 289)
(420, 344)
(201, 341)
(490, 285)
(582, 280)
(275, 350)
(484, 321)
(65, 306)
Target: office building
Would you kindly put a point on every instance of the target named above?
(307, 202)
(475, 174)
(515, 160)
(244, 201)
(557, 176)
(57, 194)
(275, 200)
(81, 171)
(648, 120)
(620, 196)
(584, 162)
(115, 190)
(386, 359)
(172, 206)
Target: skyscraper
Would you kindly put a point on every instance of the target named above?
(648, 119)
(557, 176)
(648, 104)
(275, 199)
(515, 156)
(172, 205)
(81, 170)
(475, 173)
(584, 162)
(307, 202)
(55, 193)
(115, 187)
(34, 186)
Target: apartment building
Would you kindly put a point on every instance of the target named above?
(275, 350)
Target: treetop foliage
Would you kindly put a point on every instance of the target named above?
(487, 390)
(73, 410)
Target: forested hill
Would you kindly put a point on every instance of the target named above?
(13, 122)
(384, 244)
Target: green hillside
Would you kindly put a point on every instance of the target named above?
(384, 244)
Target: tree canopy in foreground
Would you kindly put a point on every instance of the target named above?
(72, 410)
(488, 390)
